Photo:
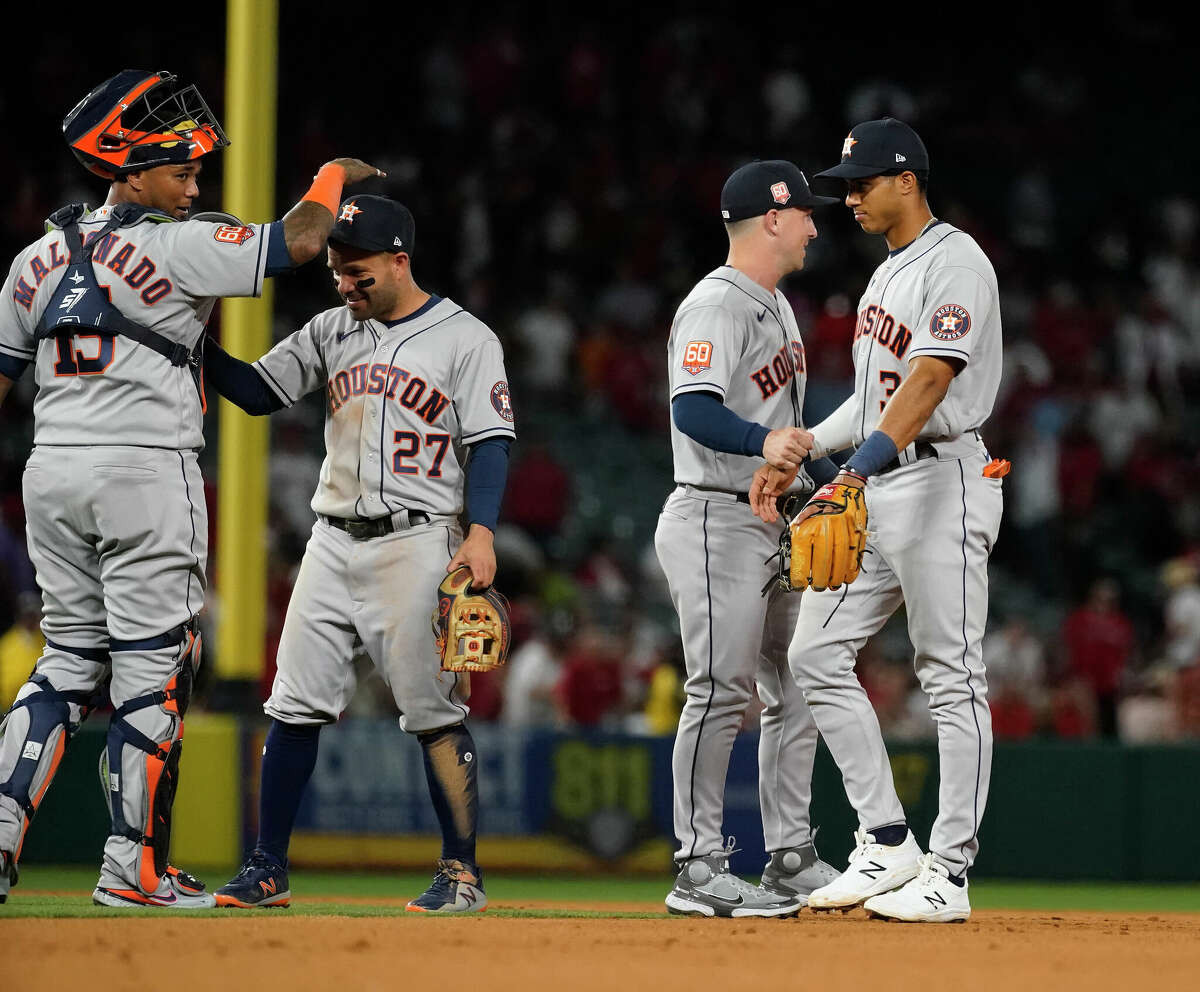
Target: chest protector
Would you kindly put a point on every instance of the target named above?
(79, 302)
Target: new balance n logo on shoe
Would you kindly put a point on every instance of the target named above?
(873, 870)
(269, 887)
(936, 901)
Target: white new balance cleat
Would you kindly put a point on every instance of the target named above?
(873, 869)
(929, 898)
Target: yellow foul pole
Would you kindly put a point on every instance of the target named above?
(241, 565)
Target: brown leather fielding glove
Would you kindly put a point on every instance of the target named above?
(471, 629)
(828, 536)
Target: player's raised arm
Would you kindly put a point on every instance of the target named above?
(307, 225)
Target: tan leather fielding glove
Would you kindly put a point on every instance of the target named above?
(828, 536)
(471, 629)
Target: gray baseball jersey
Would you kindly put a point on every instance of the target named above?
(732, 338)
(403, 403)
(163, 274)
(933, 522)
(937, 296)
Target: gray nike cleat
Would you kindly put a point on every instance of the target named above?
(705, 887)
(8, 874)
(797, 871)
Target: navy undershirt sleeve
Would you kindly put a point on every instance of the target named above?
(13, 368)
(707, 421)
(279, 260)
(238, 381)
(487, 471)
(821, 471)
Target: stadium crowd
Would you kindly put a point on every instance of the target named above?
(565, 182)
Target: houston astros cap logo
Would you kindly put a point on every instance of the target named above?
(849, 143)
(348, 212)
(780, 192)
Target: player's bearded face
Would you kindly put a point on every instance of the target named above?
(367, 282)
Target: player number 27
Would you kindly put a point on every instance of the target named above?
(409, 443)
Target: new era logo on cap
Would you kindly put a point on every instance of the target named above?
(883, 147)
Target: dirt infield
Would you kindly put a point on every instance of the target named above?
(996, 950)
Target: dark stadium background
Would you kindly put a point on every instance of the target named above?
(563, 166)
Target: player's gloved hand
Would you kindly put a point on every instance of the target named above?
(470, 630)
(827, 537)
(357, 170)
(786, 448)
(768, 484)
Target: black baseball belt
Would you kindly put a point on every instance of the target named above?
(922, 450)
(364, 530)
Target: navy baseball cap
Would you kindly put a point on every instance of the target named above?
(874, 148)
(760, 186)
(374, 223)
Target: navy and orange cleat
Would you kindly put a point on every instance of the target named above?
(176, 890)
(457, 888)
(262, 881)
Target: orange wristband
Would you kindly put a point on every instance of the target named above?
(327, 187)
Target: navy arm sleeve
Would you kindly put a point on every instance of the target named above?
(707, 421)
(278, 259)
(12, 367)
(821, 471)
(238, 381)
(486, 473)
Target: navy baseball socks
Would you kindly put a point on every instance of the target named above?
(454, 788)
(289, 757)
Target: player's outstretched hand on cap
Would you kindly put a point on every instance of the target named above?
(357, 170)
(478, 553)
(768, 484)
(785, 448)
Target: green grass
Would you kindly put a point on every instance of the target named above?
(72, 887)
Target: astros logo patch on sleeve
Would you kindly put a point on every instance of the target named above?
(502, 401)
(950, 322)
(697, 357)
(231, 235)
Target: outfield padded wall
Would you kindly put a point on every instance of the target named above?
(589, 803)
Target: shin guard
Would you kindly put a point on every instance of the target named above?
(45, 720)
(141, 811)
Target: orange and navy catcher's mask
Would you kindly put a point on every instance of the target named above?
(138, 120)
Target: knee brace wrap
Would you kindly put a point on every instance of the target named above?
(152, 829)
(50, 728)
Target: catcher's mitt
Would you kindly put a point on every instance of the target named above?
(471, 629)
(823, 545)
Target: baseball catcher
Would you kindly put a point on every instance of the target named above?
(470, 629)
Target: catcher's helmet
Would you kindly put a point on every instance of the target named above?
(138, 120)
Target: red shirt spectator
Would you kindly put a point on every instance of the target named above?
(1099, 639)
